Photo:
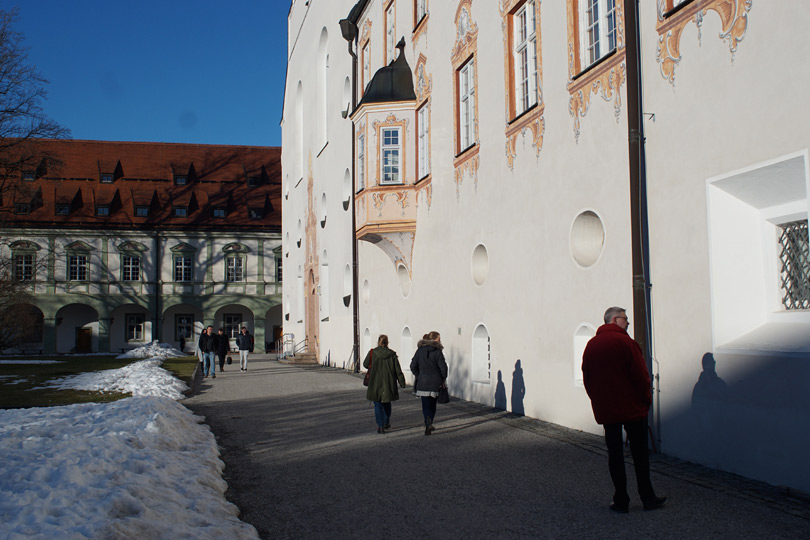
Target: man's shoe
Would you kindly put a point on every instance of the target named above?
(381, 430)
(622, 509)
(387, 426)
(654, 504)
(214, 375)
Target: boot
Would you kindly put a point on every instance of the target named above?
(428, 426)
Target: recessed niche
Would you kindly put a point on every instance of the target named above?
(366, 291)
(323, 210)
(480, 264)
(347, 189)
(404, 279)
(587, 238)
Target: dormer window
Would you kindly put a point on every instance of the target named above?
(253, 181)
(22, 208)
(141, 211)
(218, 212)
(62, 209)
(255, 213)
(103, 210)
(28, 176)
(180, 180)
(106, 178)
(180, 211)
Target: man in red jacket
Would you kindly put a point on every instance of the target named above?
(618, 383)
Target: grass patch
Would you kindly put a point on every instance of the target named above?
(182, 367)
(19, 382)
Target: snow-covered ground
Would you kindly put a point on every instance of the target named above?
(144, 467)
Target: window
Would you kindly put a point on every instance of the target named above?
(255, 213)
(103, 210)
(390, 156)
(390, 34)
(131, 266)
(422, 147)
(598, 23)
(22, 208)
(466, 105)
(253, 181)
(106, 179)
(279, 269)
(77, 268)
(183, 326)
(794, 258)
(183, 268)
(420, 10)
(29, 176)
(142, 211)
(233, 324)
(481, 355)
(180, 211)
(234, 268)
(366, 68)
(135, 324)
(524, 57)
(62, 209)
(361, 162)
(24, 267)
(180, 180)
(218, 212)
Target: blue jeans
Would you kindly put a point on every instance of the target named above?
(208, 361)
(382, 413)
(428, 408)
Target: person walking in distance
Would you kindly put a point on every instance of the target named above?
(222, 348)
(430, 369)
(618, 382)
(244, 342)
(209, 342)
(384, 374)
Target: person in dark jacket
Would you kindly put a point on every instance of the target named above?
(244, 342)
(222, 348)
(617, 381)
(430, 369)
(384, 374)
(209, 343)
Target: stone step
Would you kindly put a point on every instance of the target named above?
(301, 358)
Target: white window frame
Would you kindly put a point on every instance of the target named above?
(77, 267)
(135, 328)
(366, 51)
(24, 266)
(422, 126)
(130, 268)
(183, 326)
(234, 269)
(598, 36)
(524, 57)
(421, 10)
(232, 324)
(466, 105)
(361, 162)
(390, 34)
(183, 268)
(390, 155)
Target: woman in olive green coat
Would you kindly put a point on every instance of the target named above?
(384, 375)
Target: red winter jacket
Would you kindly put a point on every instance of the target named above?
(616, 376)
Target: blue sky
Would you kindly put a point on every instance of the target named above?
(161, 70)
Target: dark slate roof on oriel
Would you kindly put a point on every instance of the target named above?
(393, 82)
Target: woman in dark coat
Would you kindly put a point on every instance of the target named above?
(384, 375)
(430, 369)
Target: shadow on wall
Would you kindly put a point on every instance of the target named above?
(752, 423)
(500, 393)
(518, 390)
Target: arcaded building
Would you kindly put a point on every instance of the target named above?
(123, 243)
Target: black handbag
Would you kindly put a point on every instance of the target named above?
(444, 395)
(368, 373)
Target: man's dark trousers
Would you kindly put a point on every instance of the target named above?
(637, 435)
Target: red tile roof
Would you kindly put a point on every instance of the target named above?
(144, 175)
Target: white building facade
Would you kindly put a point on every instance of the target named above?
(493, 204)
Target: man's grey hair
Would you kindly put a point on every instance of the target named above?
(613, 312)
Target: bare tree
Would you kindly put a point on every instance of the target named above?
(22, 118)
(22, 122)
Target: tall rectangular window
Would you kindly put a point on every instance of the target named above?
(77, 268)
(366, 53)
(24, 267)
(233, 323)
(599, 25)
(466, 105)
(390, 34)
(183, 268)
(391, 151)
(183, 326)
(279, 269)
(423, 146)
(131, 268)
(135, 324)
(420, 10)
(234, 269)
(361, 162)
(794, 256)
(524, 57)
